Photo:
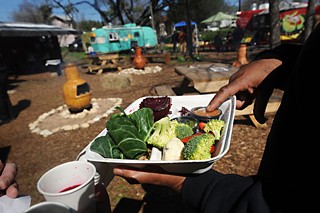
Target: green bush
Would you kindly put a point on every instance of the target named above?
(209, 35)
(72, 57)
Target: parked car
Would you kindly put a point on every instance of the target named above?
(76, 46)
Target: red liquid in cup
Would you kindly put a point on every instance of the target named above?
(70, 187)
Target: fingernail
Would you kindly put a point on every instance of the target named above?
(3, 183)
(117, 172)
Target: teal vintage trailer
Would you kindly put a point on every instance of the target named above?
(110, 39)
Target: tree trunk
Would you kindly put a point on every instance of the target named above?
(189, 30)
(310, 19)
(274, 17)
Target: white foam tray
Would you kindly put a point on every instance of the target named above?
(105, 165)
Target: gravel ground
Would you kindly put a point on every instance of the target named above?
(33, 95)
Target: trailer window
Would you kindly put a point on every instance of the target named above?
(113, 37)
(136, 34)
(97, 40)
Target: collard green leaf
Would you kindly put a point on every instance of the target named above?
(143, 120)
(126, 133)
(105, 146)
(122, 127)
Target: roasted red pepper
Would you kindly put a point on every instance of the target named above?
(185, 140)
(212, 149)
(202, 125)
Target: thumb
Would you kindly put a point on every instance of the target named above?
(260, 104)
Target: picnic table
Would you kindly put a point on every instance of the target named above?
(207, 78)
(99, 62)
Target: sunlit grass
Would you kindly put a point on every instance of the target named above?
(72, 57)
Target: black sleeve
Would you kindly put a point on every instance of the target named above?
(284, 52)
(285, 183)
(216, 192)
(288, 54)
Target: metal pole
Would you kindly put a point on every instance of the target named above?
(152, 22)
(151, 14)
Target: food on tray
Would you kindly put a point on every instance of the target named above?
(189, 120)
(129, 133)
(132, 136)
(201, 111)
(184, 111)
(105, 146)
(173, 150)
(201, 114)
(159, 105)
(165, 130)
(182, 130)
(214, 126)
(199, 147)
(156, 159)
(162, 133)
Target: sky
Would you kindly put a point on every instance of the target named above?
(8, 6)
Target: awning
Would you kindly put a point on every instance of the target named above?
(183, 23)
(220, 16)
(245, 17)
(29, 29)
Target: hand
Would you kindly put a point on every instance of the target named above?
(139, 177)
(8, 185)
(246, 85)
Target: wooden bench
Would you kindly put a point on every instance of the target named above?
(272, 107)
(99, 63)
(164, 90)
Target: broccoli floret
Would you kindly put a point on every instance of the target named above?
(215, 126)
(182, 130)
(163, 133)
(198, 147)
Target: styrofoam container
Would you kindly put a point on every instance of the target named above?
(70, 183)
(49, 207)
(105, 165)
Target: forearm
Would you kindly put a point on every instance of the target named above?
(214, 191)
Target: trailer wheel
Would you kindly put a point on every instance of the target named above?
(132, 50)
(133, 46)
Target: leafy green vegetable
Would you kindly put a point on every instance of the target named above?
(143, 120)
(105, 146)
(129, 132)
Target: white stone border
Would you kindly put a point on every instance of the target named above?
(146, 70)
(67, 115)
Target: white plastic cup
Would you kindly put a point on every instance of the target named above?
(71, 183)
(49, 207)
